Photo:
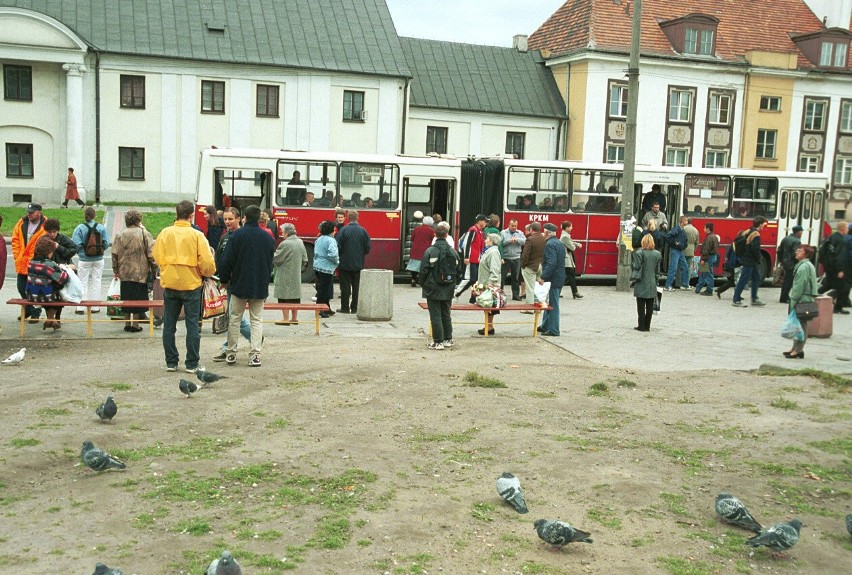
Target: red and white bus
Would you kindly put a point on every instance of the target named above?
(387, 190)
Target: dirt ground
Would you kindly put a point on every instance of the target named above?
(376, 456)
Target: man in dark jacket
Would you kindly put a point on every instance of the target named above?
(787, 260)
(677, 241)
(834, 261)
(231, 220)
(245, 269)
(553, 271)
(439, 295)
(750, 260)
(531, 255)
(655, 196)
(353, 243)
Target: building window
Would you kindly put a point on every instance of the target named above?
(720, 108)
(212, 97)
(19, 160)
(815, 115)
(131, 163)
(833, 54)
(18, 83)
(353, 106)
(267, 101)
(680, 105)
(716, 159)
(843, 172)
(699, 42)
(515, 144)
(770, 104)
(436, 140)
(132, 91)
(766, 144)
(617, 101)
(614, 154)
(809, 163)
(677, 156)
(846, 116)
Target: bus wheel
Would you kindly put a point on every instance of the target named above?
(308, 275)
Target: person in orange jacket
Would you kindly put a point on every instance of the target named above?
(24, 237)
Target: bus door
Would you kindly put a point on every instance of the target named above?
(428, 196)
(244, 187)
(803, 208)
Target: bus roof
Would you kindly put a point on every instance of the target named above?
(302, 156)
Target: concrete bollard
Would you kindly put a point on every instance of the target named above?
(375, 295)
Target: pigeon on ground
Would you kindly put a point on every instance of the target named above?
(187, 387)
(107, 410)
(779, 537)
(559, 533)
(98, 459)
(224, 565)
(509, 488)
(731, 510)
(208, 376)
(101, 569)
(849, 523)
(16, 358)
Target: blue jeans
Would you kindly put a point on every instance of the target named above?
(245, 326)
(752, 273)
(677, 261)
(550, 318)
(173, 301)
(705, 279)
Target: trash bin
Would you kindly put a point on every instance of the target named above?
(375, 295)
(822, 325)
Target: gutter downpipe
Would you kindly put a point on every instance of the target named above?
(97, 127)
(405, 114)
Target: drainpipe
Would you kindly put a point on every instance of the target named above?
(97, 127)
(405, 114)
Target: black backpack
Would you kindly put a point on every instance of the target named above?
(740, 242)
(94, 245)
(827, 252)
(446, 268)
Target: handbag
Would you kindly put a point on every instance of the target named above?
(114, 294)
(807, 310)
(220, 324)
(215, 299)
(777, 276)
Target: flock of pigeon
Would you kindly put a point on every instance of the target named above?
(224, 565)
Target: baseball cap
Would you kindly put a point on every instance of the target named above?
(33, 208)
(797, 229)
(550, 227)
(481, 218)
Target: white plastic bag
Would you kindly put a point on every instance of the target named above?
(72, 291)
(114, 294)
(541, 291)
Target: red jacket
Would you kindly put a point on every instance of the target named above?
(421, 239)
(473, 242)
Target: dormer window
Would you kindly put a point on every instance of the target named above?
(833, 54)
(827, 48)
(693, 34)
(699, 42)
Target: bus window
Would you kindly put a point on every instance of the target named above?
(754, 197)
(706, 195)
(794, 205)
(305, 183)
(243, 187)
(806, 206)
(537, 189)
(373, 185)
(596, 192)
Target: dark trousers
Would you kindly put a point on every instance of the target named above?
(31, 310)
(644, 311)
(471, 273)
(786, 285)
(190, 302)
(729, 282)
(439, 316)
(512, 269)
(839, 285)
(350, 281)
(571, 279)
(325, 287)
(78, 200)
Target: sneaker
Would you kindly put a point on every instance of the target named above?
(231, 358)
(194, 369)
(171, 368)
(668, 289)
(684, 288)
(448, 343)
(739, 304)
(436, 346)
(221, 356)
(757, 303)
(255, 360)
(706, 293)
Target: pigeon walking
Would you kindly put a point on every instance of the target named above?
(98, 459)
(731, 510)
(16, 358)
(107, 410)
(849, 523)
(187, 387)
(224, 565)
(509, 488)
(208, 376)
(101, 569)
(779, 537)
(559, 533)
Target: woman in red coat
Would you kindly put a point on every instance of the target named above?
(421, 239)
(71, 192)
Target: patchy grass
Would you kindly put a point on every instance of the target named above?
(53, 412)
(675, 503)
(197, 448)
(542, 394)
(838, 446)
(120, 386)
(482, 511)
(343, 493)
(809, 502)
(783, 403)
(599, 389)
(605, 517)
(838, 382)
(332, 532)
(460, 437)
(683, 566)
(279, 423)
(533, 568)
(19, 442)
(626, 383)
(194, 526)
(473, 379)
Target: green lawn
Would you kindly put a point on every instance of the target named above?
(68, 219)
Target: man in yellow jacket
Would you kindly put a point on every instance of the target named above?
(184, 257)
(24, 237)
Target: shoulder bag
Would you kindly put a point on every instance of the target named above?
(807, 310)
(152, 271)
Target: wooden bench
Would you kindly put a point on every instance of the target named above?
(488, 323)
(317, 308)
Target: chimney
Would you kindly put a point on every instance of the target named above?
(519, 42)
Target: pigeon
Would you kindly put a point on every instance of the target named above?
(224, 565)
(107, 410)
(208, 376)
(559, 533)
(16, 358)
(779, 537)
(98, 459)
(187, 387)
(509, 488)
(849, 523)
(101, 569)
(730, 510)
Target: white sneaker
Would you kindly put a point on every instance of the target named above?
(448, 343)
(194, 369)
(255, 360)
(436, 346)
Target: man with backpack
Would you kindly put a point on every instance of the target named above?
(832, 255)
(677, 241)
(747, 246)
(92, 241)
(437, 277)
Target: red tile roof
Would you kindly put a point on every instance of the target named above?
(743, 25)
